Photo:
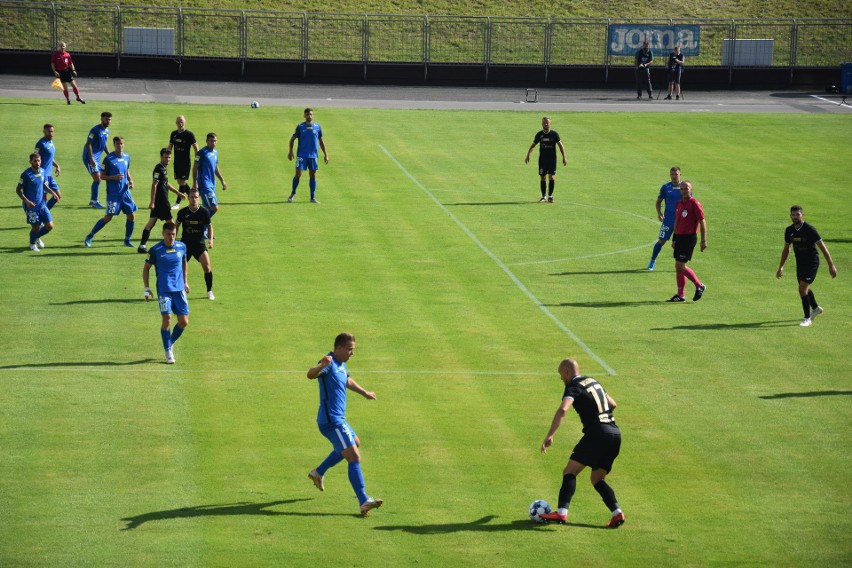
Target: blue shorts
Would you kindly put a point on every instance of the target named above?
(174, 303)
(96, 169)
(125, 204)
(307, 164)
(666, 231)
(39, 215)
(208, 198)
(52, 184)
(341, 436)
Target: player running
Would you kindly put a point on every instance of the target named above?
(31, 188)
(670, 195)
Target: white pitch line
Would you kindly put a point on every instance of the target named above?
(841, 104)
(503, 267)
(581, 257)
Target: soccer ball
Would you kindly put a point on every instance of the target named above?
(255, 104)
(538, 508)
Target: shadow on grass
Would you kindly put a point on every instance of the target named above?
(491, 203)
(604, 304)
(479, 525)
(593, 272)
(806, 394)
(748, 325)
(79, 364)
(100, 301)
(241, 508)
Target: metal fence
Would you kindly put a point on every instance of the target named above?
(320, 37)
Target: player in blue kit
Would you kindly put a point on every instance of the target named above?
(47, 151)
(96, 143)
(333, 378)
(116, 172)
(309, 135)
(168, 257)
(205, 170)
(670, 195)
(31, 188)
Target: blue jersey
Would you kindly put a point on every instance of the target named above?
(207, 161)
(98, 137)
(168, 262)
(332, 384)
(47, 151)
(308, 137)
(33, 183)
(114, 165)
(670, 194)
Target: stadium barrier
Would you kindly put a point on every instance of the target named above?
(317, 47)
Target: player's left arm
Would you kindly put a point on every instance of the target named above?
(324, 151)
(49, 190)
(353, 386)
(219, 175)
(702, 226)
(831, 268)
(146, 270)
(129, 178)
(557, 421)
(185, 274)
(562, 149)
(56, 167)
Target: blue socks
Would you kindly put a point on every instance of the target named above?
(332, 460)
(98, 226)
(164, 333)
(95, 190)
(176, 333)
(657, 248)
(356, 478)
(128, 230)
(295, 184)
(313, 185)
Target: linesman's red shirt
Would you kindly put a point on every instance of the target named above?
(688, 214)
(61, 60)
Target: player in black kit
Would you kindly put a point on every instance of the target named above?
(598, 447)
(549, 140)
(180, 141)
(196, 224)
(805, 239)
(159, 205)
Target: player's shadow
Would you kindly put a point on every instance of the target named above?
(810, 394)
(224, 510)
(479, 525)
(475, 204)
(100, 301)
(79, 364)
(603, 304)
(237, 203)
(593, 272)
(715, 326)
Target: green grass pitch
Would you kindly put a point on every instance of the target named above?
(463, 294)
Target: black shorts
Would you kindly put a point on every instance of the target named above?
(683, 247)
(161, 212)
(807, 271)
(674, 75)
(598, 450)
(547, 167)
(66, 76)
(195, 250)
(182, 169)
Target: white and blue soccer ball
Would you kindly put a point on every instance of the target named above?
(255, 104)
(538, 508)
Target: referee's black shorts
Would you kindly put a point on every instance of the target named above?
(683, 247)
(66, 76)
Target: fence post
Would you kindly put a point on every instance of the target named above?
(427, 46)
(487, 46)
(607, 59)
(548, 44)
(365, 42)
(117, 39)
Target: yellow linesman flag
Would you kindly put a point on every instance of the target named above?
(57, 84)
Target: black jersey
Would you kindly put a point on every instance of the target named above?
(591, 403)
(161, 194)
(181, 143)
(675, 61)
(547, 144)
(193, 223)
(804, 241)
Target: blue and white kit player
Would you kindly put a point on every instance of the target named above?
(168, 257)
(334, 380)
(47, 150)
(205, 170)
(309, 135)
(670, 194)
